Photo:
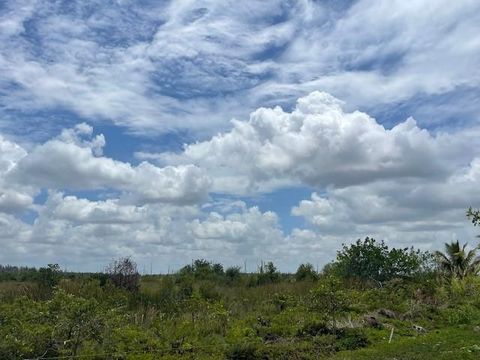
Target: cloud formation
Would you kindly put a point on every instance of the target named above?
(193, 65)
(73, 161)
(318, 144)
(66, 200)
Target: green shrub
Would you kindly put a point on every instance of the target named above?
(314, 329)
(351, 339)
(242, 351)
(306, 272)
(461, 315)
(208, 291)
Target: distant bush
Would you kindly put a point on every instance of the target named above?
(202, 270)
(123, 274)
(351, 339)
(232, 274)
(49, 276)
(17, 273)
(267, 274)
(372, 261)
(306, 272)
(208, 291)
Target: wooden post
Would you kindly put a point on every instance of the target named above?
(391, 335)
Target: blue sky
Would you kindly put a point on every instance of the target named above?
(172, 130)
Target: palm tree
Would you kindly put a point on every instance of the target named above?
(457, 262)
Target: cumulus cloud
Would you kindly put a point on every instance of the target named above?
(78, 210)
(85, 233)
(317, 144)
(404, 184)
(13, 198)
(73, 161)
(420, 213)
(247, 230)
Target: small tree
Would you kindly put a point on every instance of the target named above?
(306, 272)
(232, 274)
(49, 276)
(202, 269)
(123, 274)
(457, 262)
(330, 299)
(76, 320)
(369, 260)
(267, 273)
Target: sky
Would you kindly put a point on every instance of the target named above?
(237, 132)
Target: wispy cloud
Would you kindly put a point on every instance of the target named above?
(190, 64)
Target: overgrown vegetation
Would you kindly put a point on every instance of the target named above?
(372, 302)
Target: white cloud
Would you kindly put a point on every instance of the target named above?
(377, 54)
(73, 161)
(77, 210)
(405, 185)
(250, 231)
(194, 64)
(13, 197)
(417, 212)
(317, 144)
(84, 233)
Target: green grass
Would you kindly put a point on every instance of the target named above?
(444, 344)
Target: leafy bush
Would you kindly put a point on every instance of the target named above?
(203, 270)
(329, 299)
(209, 291)
(306, 272)
(232, 274)
(351, 339)
(373, 261)
(267, 273)
(461, 315)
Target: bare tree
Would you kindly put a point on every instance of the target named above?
(123, 273)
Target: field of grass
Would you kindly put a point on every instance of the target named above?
(442, 344)
(205, 312)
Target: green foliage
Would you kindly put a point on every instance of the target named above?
(242, 351)
(16, 273)
(351, 339)
(25, 329)
(445, 344)
(460, 315)
(267, 273)
(77, 320)
(204, 312)
(457, 262)
(209, 291)
(373, 261)
(329, 299)
(306, 272)
(317, 328)
(232, 274)
(474, 216)
(202, 269)
(48, 276)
